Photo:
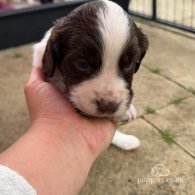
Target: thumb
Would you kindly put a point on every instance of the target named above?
(36, 75)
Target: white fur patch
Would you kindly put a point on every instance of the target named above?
(39, 49)
(114, 28)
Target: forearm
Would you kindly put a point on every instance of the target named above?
(50, 160)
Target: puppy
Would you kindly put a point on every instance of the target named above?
(91, 55)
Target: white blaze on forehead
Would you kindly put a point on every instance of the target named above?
(114, 28)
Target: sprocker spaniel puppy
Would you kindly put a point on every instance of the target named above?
(91, 55)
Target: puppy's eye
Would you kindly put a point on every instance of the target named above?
(128, 67)
(83, 66)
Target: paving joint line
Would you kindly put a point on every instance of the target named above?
(165, 77)
(177, 143)
(162, 107)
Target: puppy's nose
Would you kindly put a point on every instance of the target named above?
(106, 106)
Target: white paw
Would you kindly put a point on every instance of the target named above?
(130, 114)
(125, 142)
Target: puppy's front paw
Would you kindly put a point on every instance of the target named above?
(129, 115)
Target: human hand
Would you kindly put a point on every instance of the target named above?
(50, 110)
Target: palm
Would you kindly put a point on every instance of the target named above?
(47, 105)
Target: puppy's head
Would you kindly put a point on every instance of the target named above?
(97, 48)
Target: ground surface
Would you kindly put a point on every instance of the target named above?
(164, 85)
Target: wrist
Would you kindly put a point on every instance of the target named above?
(62, 134)
(83, 136)
(50, 156)
(71, 153)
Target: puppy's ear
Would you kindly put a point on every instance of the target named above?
(143, 44)
(48, 60)
(55, 49)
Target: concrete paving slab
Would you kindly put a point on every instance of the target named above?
(153, 90)
(129, 173)
(22, 54)
(172, 53)
(179, 119)
(15, 66)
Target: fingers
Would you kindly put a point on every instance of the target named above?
(35, 78)
(32, 89)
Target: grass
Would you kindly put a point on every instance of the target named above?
(167, 136)
(154, 70)
(150, 110)
(191, 90)
(17, 55)
(177, 100)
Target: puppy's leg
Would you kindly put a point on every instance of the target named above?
(129, 115)
(124, 141)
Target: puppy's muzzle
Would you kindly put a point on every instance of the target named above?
(107, 107)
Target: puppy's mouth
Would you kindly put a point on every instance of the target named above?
(84, 114)
(99, 115)
(111, 116)
(92, 105)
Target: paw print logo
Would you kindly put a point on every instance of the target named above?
(159, 170)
